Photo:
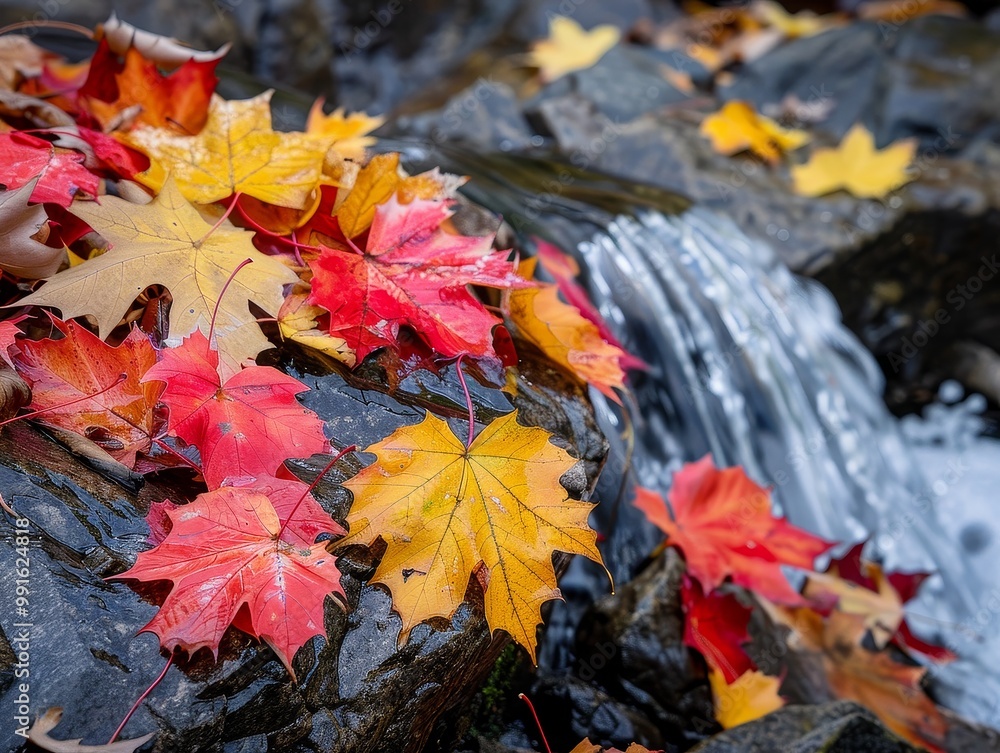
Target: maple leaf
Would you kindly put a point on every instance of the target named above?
(164, 243)
(723, 524)
(236, 152)
(412, 273)
(873, 679)
(856, 166)
(177, 101)
(585, 746)
(793, 26)
(21, 253)
(375, 184)
(565, 336)
(736, 127)
(60, 173)
(570, 48)
(297, 321)
(564, 270)
(750, 697)
(78, 369)
(443, 509)
(243, 555)
(348, 132)
(716, 627)
(245, 427)
(863, 588)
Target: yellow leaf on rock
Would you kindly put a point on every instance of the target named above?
(569, 47)
(349, 133)
(379, 180)
(802, 24)
(236, 152)
(375, 184)
(443, 509)
(570, 340)
(297, 322)
(856, 166)
(736, 127)
(752, 695)
(163, 243)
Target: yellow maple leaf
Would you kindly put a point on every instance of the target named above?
(882, 610)
(736, 127)
(378, 181)
(802, 24)
(443, 509)
(349, 133)
(856, 166)
(559, 331)
(569, 47)
(297, 322)
(164, 243)
(236, 152)
(752, 695)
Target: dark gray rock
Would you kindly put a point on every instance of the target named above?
(838, 727)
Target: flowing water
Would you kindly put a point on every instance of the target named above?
(751, 364)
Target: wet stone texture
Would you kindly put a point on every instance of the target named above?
(357, 691)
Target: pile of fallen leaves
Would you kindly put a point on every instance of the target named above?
(168, 224)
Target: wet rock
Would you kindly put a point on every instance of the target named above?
(357, 691)
(838, 727)
(639, 631)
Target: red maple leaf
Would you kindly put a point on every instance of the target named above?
(75, 371)
(178, 100)
(412, 272)
(242, 556)
(244, 428)
(60, 172)
(716, 627)
(723, 524)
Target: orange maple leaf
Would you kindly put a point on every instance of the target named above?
(722, 522)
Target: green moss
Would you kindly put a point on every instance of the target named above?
(489, 707)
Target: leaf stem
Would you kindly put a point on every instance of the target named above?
(468, 401)
(140, 699)
(538, 724)
(218, 223)
(49, 24)
(218, 302)
(121, 378)
(313, 485)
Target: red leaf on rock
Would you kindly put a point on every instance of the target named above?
(244, 428)
(412, 272)
(232, 560)
(723, 524)
(177, 100)
(716, 627)
(60, 172)
(81, 365)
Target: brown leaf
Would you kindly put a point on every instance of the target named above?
(20, 253)
(39, 735)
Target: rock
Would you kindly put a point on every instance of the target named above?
(837, 727)
(357, 690)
